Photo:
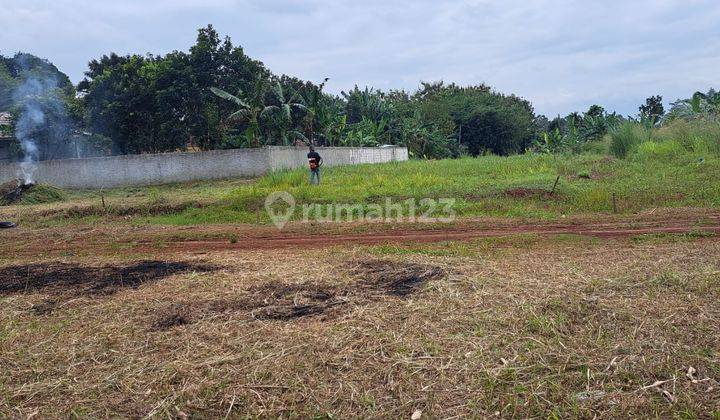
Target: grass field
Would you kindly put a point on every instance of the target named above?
(518, 186)
(184, 301)
(520, 326)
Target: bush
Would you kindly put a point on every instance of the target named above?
(584, 174)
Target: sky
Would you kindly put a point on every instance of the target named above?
(561, 55)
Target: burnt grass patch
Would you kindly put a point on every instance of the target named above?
(69, 279)
(398, 279)
(286, 302)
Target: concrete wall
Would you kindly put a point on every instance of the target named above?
(294, 157)
(116, 171)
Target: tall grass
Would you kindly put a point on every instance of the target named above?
(697, 136)
(677, 140)
(626, 137)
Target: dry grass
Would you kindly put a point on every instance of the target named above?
(545, 329)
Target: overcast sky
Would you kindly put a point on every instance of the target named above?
(562, 55)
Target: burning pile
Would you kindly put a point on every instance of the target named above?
(13, 191)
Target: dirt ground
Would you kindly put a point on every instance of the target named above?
(612, 317)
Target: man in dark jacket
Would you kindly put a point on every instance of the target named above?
(315, 162)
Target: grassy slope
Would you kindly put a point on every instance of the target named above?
(479, 186)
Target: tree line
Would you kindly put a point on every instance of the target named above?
(214, 96)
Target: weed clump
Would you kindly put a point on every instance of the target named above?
(626, 137)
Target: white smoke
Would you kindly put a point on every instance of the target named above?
(30, 120)
(34, 95)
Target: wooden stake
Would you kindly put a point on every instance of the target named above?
(102, 199)
(555, 184)
(614, 202)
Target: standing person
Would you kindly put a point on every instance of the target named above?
(315, 162)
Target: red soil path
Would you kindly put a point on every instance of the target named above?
(463, 231)
(199, 239)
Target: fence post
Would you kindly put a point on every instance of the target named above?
(614, 203)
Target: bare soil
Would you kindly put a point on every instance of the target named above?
(249, 239)
(164, 241)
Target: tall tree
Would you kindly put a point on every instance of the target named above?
(653, 108)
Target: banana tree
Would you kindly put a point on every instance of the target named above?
(282, 114)
(250, 111)
(701, 105)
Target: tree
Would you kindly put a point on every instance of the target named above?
(250, 110)
(481, 120)
(653, 108)
(164, 103)
(595, 111)
(699, 106)
(324, 120)
(42, 101)
(281, 114)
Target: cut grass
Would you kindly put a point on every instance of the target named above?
(544, 331)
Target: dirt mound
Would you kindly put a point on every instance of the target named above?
(78, 280)
(529, 193)
(286, 302)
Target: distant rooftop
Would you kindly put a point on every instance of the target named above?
(5, 118)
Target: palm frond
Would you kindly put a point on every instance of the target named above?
(301, 107)
(286, 112)
(268, 110)
(278, 91)
(240, 115)
(298, 135)
(221, 93)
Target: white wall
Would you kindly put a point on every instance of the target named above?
(149, 169)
